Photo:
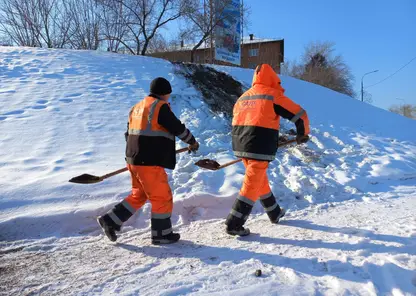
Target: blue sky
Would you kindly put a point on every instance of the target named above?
(369, 34)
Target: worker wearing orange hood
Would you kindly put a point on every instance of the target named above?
(255, 133)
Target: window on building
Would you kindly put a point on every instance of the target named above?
(253, 52)
(197, 58)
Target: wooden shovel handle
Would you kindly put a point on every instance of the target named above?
(182, 150)
(240, 159)
(286, 143)
(229, 163)
(113, 173)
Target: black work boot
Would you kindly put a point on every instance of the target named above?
(280, 215)
(114, 219)
(271, 207)
(162, 230)
(166, 239)
(109, 230)
(238, 215)
(239, 230)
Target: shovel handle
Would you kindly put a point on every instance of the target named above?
(182, 150)
(286, 143)
(113, 173)
(229, 163)
(125, 169)
(240, 159)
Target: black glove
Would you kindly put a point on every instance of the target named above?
(302, 139)
(193, 147)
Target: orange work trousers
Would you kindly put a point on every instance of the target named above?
(150, 183)
(256, 182)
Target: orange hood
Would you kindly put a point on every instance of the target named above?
(265, 75)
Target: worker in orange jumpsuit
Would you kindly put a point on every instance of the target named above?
(255, 133)
(150, 137)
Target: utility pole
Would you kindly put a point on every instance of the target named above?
(242, 21)
(362, 84)
(211, 10)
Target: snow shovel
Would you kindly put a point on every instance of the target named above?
(90, 179)
(212, 165)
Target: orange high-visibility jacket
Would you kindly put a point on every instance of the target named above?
(256, 116)
(151, 132)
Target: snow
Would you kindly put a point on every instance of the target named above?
(248, 40)
(350, 192)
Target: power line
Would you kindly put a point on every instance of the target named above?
(392, 74)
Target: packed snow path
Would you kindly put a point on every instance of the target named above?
(351, 248)
(63, 113)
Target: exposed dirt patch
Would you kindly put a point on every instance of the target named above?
(219, 90)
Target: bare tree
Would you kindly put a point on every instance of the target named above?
(34, 22)
(113, 25)
(406, 110)
(292, 68)
(5, 41)
(368, 98)
(203, 17)
(16, 22)
(319, 65)
(158, 44)
(85, 26)
(143, 20)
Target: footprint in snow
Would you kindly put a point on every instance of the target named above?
(66, 100)
(57, 168)
(39, 107)
(74, 95)
(87, 153)
(117, 84)
(98, 91)
(42, 102)
(9, 91)
(30, 161)
(16, 112)
(3, 118)
(52, 75)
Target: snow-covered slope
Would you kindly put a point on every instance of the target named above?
(350, 192)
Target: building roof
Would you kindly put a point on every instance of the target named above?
(246, 40)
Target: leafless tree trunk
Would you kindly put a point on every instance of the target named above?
(34, 22)
(157, 44)
(143, 20)
(203, 18)
(85, 26)
(113, 24)
(16, 23)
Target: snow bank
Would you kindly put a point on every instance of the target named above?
(64, 113)
(350, 192)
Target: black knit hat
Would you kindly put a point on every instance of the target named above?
(160, 86)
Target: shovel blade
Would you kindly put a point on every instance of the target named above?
(85, 179)
(208, 164)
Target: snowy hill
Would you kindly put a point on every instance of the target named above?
(350, 192)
